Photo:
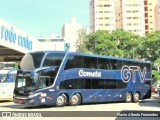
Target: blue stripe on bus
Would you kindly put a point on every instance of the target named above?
(105, 94)
(93, 95)
(116, 94)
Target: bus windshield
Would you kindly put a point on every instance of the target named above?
(46, 76)
(32, 60)
(24, 82)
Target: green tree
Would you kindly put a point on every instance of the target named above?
(129, 43)
(80, 43)
(151, 46)
(101, 43)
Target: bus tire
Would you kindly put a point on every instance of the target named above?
(75, 99)
(136, 97)
(61, 100)
(128, 97)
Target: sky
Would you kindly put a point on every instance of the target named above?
(37, 17)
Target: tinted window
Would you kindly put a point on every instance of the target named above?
(103, 63)
(92, 84)
(128, 63)
(114, 64)
(53, 59)
(88, 84)
(97, 84)
(147, 83)
(37, 58)
(32, 60)
(120, 64)
(110, 84)
(74, 62)
(148, 66)
(90, 62)
(120, 84)
(72, 84)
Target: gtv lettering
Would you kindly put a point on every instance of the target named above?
(129, 72)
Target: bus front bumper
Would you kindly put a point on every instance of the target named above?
(23, 101)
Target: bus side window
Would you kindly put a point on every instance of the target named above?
(74, 62)
(53, 59)
(103, 63)
(114, 64)
(120, 64)
(90, 62)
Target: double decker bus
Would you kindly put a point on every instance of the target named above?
(59, 78)
(7, 79)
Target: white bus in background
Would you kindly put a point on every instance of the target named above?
(7, 80)
(6, 65)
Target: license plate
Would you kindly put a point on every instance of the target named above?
(20, 101)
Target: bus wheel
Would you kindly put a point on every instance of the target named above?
(75, 99)
(128, 97)
(61, 100)
(136, 97)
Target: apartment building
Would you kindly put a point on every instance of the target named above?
(136, 16)
(151, 15)
(102, 15)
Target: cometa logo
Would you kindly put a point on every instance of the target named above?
(89, 74)
(129, 73)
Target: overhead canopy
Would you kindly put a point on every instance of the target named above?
(9, 54)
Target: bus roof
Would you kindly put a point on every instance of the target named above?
(94, 55)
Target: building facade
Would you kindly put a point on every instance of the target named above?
(14, 43)
(70, 33)
(136, 16)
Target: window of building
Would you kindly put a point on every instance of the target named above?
(129, 24)
(146, 27)
(128, 11)
(107, 24)
(106, 11)
(146, 14)
(100, 18)
(134, 5)
(145, 2)
(146, 8)
(135, 17)
(107, 18)
(100, 11)
(100, 5)
(107, 5)
(128, 5)
(128, 17)
(135, 11)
